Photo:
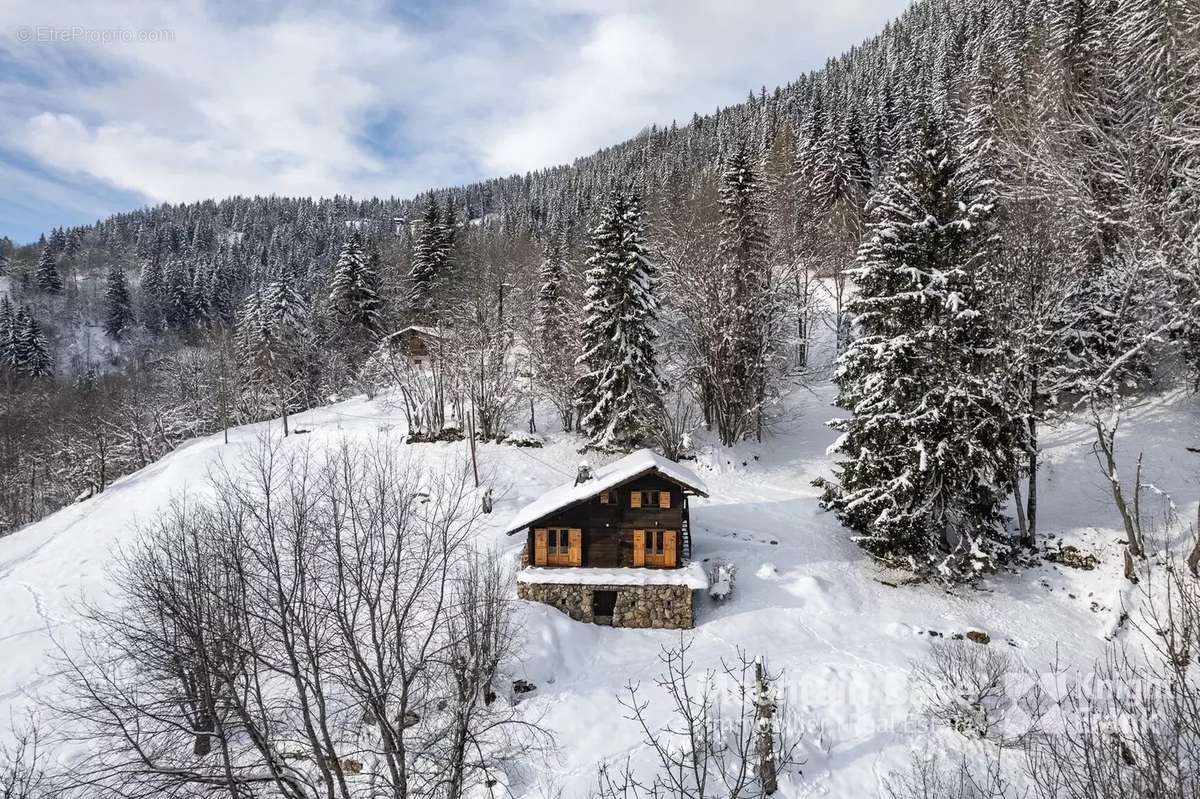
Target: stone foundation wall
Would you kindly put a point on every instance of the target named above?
(663, 606)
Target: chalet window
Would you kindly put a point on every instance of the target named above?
(654, 542)
(560, 541)
(654, 548)
(558, 546)
(650, 499)
(606, 498)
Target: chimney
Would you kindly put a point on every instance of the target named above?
(585, 473)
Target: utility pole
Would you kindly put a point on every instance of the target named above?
(471, 438)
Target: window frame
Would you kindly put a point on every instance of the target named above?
(649, 499)
(558, 540)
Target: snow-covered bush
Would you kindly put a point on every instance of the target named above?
(519, 438)
(966, 687)
(721, 576)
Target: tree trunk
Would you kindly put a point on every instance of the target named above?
(202, 744)
(765, 741)
(1022, 524)
(1030, 539)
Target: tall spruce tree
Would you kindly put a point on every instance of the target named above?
(153, 294)
(431, 253)
(739, 359)
(32, 349)
(8, 336)
(47, 276)
(274, 336)
(620, 384)
(180, 305)
(556, 369)
(354, 292)
(118, 306)
(928, 450)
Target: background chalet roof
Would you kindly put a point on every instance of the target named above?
(604, 478)
(424, 330)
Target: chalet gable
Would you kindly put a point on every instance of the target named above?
(631, 468)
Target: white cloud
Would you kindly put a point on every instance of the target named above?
(322, 99)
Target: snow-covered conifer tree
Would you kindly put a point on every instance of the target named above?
(8, 336)
(431, 252)
(180, 301)
(354, 291)
(738, 365)
(928, 451)
(620, 384)
(555, 344)
(118, 307)
(32, 349)
(274, 335)
(47, 276)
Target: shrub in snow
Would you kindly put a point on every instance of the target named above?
(966, 687)
(518, 438)
(721, 576)
(449, 433)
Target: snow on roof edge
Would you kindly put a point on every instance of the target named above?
(633, 465)
(691, 574)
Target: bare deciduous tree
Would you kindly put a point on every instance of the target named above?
(714, 745)
(321, 628)
(24, 771)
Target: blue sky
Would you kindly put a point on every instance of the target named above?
(110, 106)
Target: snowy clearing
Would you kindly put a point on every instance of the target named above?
(807, 599)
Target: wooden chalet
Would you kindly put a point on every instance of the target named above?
(613, 546)
(418, 342)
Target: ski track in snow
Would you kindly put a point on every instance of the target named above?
(805, 596)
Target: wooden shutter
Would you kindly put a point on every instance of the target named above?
(539, 547)
(575, 549)
(639, 547)
(635, 499)
(664, 499)
(669, 548)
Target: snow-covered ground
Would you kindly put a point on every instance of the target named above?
(806, 597)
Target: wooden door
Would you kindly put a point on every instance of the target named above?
(669, 549)
(575, 547)
(539, 547)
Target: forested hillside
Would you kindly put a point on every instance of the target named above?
(1042, 155)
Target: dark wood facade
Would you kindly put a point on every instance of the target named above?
(603, 534)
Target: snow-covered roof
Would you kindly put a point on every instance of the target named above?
(422, 329)
(690, 574)
(633, 465)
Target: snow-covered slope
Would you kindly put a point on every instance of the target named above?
(805, 596)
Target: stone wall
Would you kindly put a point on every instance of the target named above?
(663, 606)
